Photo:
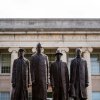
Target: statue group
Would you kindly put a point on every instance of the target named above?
(38, 69)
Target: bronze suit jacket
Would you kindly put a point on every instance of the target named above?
(21, 78)
(39, 75)
(64, 79)
(78, 80)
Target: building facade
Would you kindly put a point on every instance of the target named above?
(63, 34)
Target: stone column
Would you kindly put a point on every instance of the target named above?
(86, 55)
(34, 50)
(64, 52)
(14, 55)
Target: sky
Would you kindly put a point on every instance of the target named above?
(49, 8)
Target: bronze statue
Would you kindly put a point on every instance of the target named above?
(39, 74)
(20, 77)
(78, 77)
(59, 78)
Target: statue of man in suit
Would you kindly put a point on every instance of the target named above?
(39, 74)
(78, 77)
(59, 78)
(20, 77)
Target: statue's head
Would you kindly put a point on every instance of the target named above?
(78, 52)
(58, 54)
(21, 52)
(39, 48)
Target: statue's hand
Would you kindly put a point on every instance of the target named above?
(52, 87)
(47, 85)
(86, 85)
(29, 85)
(34, 83)
(13, 85)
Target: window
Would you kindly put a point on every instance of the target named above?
(95, 95)
(30, 96)
(51, 58)
(95, 64)
(4, 96)
(70, 57)
(5, 62)
(51, 55)
(28, 56)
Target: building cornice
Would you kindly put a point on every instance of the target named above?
(51, 32)
(49, 25)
